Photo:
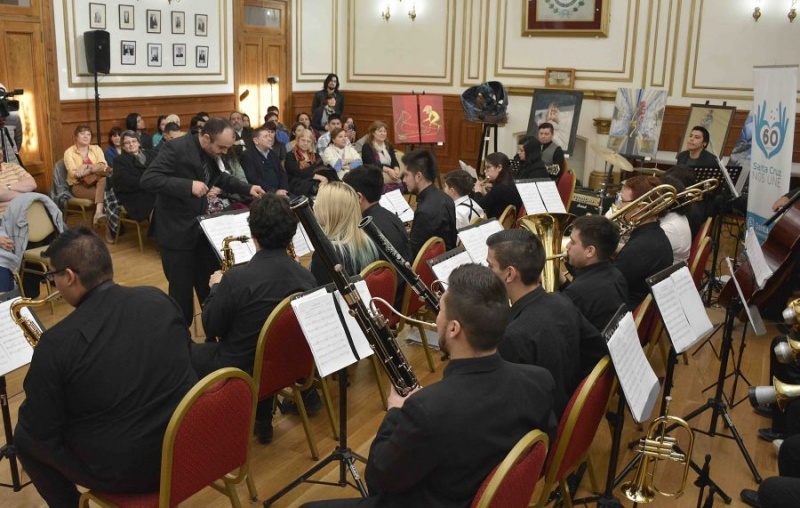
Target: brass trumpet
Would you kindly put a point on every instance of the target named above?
(29, 328)
(648, 205)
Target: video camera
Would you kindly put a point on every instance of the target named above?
(6, 104)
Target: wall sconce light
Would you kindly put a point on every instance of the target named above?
(792, 11)
(757, 10)
(413, 12)
(385, 14)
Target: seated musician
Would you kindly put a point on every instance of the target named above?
(696, 213)
(546, 329)
(779, 491)
(458, 184)
(241, 299)
(598, 288)
(696, 155)
(103, 383)
(648, 250)
(503, 190)
(551, 152)
(436, 446)
(676, 225)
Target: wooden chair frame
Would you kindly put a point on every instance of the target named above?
(124, 218)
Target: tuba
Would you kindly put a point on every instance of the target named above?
(655, 447)
(29, 328)
(647, 206)
(549, 228)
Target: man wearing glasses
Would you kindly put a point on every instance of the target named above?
(103, 383)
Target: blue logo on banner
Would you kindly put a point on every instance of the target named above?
(770, 136)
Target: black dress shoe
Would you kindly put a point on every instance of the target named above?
(311, 400)
(770, 435)
(750, 498)
(263, 430)
(767, 410)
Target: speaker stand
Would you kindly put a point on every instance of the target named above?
(96, 106)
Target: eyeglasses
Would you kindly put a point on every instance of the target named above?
(51, 275)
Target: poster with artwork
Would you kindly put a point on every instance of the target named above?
(418, 119)
(636, 124)
(560, 108)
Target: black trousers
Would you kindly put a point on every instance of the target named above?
(187, 270)
(783, 491)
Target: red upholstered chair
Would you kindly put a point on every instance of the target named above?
(381, 280)
(576, 430)
(703, 232)
(698, 261)
(508, 218)
(521, 212)
(412, 304)
(566, 186)
(282, 358)
(208, 437)
(511, 484)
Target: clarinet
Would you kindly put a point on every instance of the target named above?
(373, 324)
(402, 266)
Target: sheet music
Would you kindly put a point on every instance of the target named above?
(753, 316)
(669, 305)
(15, 351)
(692, 304)
(324, 331)
(469, 169)
(530, 197)
(761, 270)
(397, 204)
(356, 333)
(550, 197)
(445, 267)
(639, 382)
(302, 245)
(474, 240)
(217, 227)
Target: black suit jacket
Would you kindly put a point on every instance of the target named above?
(266, 172)
(439, 447)
(598, 290)
(125, 179)
(435, 216)
(646, 253)
(170, 176)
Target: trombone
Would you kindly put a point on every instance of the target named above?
(694, 193)
(647, 206)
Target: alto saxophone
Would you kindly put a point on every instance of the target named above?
(228, 258)
(29, 328)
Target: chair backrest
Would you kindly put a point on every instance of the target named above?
(508, 217)
(208, 435)
(643, 317)
(282, 353)
(433, 247)
(511, 483)
(579, 423)
(698, 261)
(381, 280)
(703, 232)
(521, 212)
(40, 225)
(566, 187)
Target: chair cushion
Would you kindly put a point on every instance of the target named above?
(35, 255)
(147, 500)
(80, 202)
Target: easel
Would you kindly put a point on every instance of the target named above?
(489, 132)
(431, 146)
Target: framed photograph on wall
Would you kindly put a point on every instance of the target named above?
(561, 108)
(559, 78)
(154, 55)
(716, 119)
(128, 53)
(201, 25)
(201, 58)
(97, 16)
(179, 55)
(178, 22)
(126, 17)
(153, 21)
(566, 18)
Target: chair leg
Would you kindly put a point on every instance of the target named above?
(565, 497)
(301, 407)
(251, 486)
(230, 490)
(592, 476)
(326, 399)
(379, 381)
(427, 348)
(141, 241)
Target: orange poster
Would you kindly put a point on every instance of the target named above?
(418, 116)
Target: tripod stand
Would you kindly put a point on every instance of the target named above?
(8, 451)
(341, 454)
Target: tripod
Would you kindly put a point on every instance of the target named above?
(8, 451)
(341, 454)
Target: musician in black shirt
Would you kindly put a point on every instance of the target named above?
(503, 191)
(696, 155)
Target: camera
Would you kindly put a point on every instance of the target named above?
(6, 104)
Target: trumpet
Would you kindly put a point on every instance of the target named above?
(655, 447)
(647, 206)
(29, 328)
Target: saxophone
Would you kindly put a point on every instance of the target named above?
(29, 328)
(228, 258)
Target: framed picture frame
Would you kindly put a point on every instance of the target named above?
(637, 121)
(563, 79)
(128, 53)
(178, 22)
(562, 108)
(178, 55)
(201, 25)
(153, 21)
(201, 57)
(154, 54)
(565, 18)
(126, 17)
(716, 119)
(97, 16)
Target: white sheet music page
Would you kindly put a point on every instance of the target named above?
(474, 240)
(639, 382)
(324, 331)
(691, 303)
(529, 193)
(302, 245)
(397, 204)
(15, 351)
(218, 227)
(356, 333)
(444, 268)
(761, 270)
(550, 197)
(669, 305)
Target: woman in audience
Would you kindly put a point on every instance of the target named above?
(294, 133)
(87, 169)
(305, 119)
(377, 150)
(338, 213)
(339, 155)
(114, 147)
(173, 118)
(305, 169)
(135, 122)
(532, 165)
(128, 170)
(503, 191)
(160, 124)
(330, 85)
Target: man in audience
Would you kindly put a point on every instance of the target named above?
(546, 329)
(436, 213)
(103, 382)
(551, 152)
(241, 299)
(436, 446)
(182, 175)
(334, 122)
(14, 180)
(242, 137)
(282, 130)
(262, 164)
(598, 288)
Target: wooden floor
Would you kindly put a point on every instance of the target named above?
(277, 464)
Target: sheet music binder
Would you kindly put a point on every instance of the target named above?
(438, 260)
(531, 207)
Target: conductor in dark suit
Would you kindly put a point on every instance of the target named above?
(181, 176)
(436, 446)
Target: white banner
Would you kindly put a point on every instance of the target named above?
(774, 105)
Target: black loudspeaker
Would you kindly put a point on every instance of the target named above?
(98, 51)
